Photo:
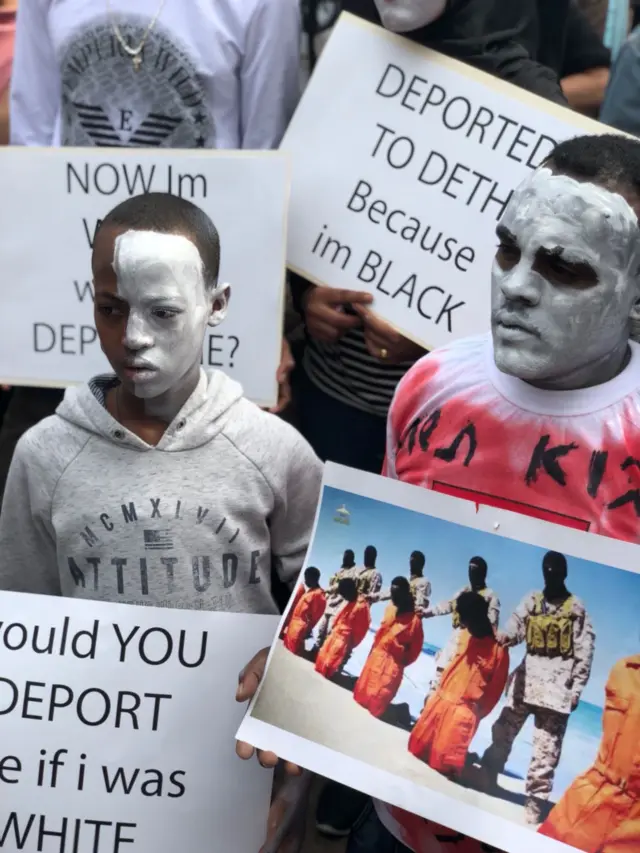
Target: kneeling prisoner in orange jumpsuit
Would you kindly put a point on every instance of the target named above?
(397, 644)
(349, 630)
(306, 613)
(600, 811)
(469, 689)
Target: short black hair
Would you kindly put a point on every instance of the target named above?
(170, 214)
(311, 575)
(348, 589)
(607, 159)
(556, 561)
(471, 607)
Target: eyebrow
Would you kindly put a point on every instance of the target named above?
(505, 235)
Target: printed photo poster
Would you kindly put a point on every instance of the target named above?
(118, 727)
(53, 201)
(473, 666)
(409, 158)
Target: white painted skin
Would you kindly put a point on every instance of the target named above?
(161, 278)
(402, 16)
(558, 335)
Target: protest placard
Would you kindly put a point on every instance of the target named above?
(52, 203)
(425, 711)
(118, 727)
(403, 161)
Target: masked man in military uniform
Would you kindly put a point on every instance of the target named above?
(477, 583)
(548, 683)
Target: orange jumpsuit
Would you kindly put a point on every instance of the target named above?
(470, 688)
(349, 630)
(298, 595)
(304, 617)
(397, 644)
(600, 811)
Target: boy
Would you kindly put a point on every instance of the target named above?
(306, 612)
(160, 484)
(349, 630)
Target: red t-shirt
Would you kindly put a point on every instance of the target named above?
(461, 427)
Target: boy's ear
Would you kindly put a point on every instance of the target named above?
(635, 320)
(219, 304)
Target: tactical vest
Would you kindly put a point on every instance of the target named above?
(455, 619)
(550, 635)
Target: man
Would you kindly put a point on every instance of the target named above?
(548, 683)
(306, 612)
(334, 599)
(368, 579)
(419, 585)
(349, 630)
(477, 583)
(397, 644)
(538, 419)
(469, 690)
(601, 809)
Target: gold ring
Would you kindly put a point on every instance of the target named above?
(384, 353)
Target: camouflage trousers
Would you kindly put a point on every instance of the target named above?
(548, 734)
(324, 628)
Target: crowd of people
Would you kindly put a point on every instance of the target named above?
(227, 75)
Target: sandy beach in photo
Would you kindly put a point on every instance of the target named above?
(295, 698)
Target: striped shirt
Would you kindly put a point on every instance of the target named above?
(346, 371)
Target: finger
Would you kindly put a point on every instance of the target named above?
(266, 759)
(373, 348)
(284, 398)
(353, 297)
(251, 675)
(244, 750)
(292, 769)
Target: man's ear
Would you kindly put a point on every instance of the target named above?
(219, 304)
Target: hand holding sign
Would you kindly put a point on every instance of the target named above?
(385, 342)
(324, 312)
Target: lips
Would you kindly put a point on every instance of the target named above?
(514, 325)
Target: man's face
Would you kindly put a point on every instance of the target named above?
(151, 308)
(564, 279)
(402, 16)
(554, 577)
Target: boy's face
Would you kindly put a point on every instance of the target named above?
(151, 308)
(565, 278)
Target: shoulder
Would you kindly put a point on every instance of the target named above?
(270, 444)
(438, 374)
(50, 446)
(578, 606)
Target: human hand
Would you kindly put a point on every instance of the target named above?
(324, 316)
(283, 377)
(287, 815)
(384, 342)
(248, 683)
(575, 701)
(502, 638)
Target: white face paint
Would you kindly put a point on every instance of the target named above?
(161, 278)
(402, 16)
(563, 294)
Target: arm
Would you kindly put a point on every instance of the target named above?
(415, 643)
(28, 558)
(270, 74)
(441, 609)
(494, 611)
(297, 484)
(583, 644)
(496, 685)
(35, 80)
(4, 117)
(382, 595)
(585, 71)
(516, 630)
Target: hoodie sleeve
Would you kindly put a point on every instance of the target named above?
(28, 561)
(296, 499)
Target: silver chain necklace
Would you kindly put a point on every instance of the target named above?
(134, 52)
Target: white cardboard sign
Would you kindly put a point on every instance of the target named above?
(52, 201)
(118, 727)
(403, 161)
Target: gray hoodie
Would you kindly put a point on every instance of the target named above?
(92, 511)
